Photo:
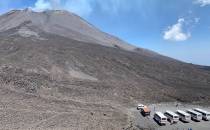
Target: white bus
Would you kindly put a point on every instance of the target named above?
(160, 118)
(183, 116)
(205, 114)
(195, 115)
(173, 117)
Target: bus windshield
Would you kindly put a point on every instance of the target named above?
(163, 118)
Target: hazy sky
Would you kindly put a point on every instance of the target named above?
(175, 28)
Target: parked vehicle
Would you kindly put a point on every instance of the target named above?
(172, 117)
(145, 111)
(160, 118)
(140, 106)
(183, 116)
(205, 114)
(195, 115)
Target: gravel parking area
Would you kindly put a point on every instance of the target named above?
(149, 123)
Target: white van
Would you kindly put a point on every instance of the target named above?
(160, 118)
(205, 114)
(183, 116)
(195, 115)
(172, 117)
(140, 106)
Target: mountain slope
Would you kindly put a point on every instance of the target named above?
(61, 23)
(48, 80)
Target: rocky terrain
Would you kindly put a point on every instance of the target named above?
(59, 72)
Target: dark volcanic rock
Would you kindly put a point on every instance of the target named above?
(62, 77)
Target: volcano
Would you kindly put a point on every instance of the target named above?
(57, 71)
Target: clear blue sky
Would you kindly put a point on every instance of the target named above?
(175, 28)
